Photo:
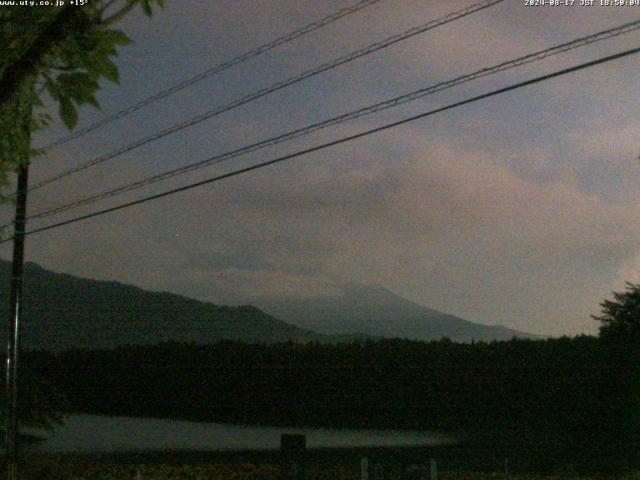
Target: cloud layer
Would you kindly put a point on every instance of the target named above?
(521, 210)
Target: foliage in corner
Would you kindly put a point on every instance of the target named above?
(58, 54)
(620, 334)
(620, 318)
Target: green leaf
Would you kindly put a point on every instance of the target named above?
(146, 8)
(77, 81)
(114, 37)
(53, 88)
(79, 86)
(68, 113)
(105, 67)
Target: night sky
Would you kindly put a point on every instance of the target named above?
(520, 210)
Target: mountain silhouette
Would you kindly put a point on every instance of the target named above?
(375, 311)
(63, 311)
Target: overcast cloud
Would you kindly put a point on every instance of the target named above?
(520, 210)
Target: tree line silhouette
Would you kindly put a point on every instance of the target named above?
(575, 399)
(575, 394)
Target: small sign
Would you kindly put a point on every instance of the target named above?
(293, 443)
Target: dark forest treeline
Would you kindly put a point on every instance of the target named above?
(579, 394)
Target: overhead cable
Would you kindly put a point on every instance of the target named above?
(374, 47)
(213, 71)
(377, 107)
(339, 141)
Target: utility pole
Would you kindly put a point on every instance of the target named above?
(15, 314)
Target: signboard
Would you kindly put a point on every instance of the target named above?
(293, 443)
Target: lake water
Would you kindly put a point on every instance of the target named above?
(92, 433)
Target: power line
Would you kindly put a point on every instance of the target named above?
(374, 47)
(396, 101)
(214, 71)
(340, 141)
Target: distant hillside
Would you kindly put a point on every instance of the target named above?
(62, 311)
(378, 312)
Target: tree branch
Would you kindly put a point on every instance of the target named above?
(120, 13)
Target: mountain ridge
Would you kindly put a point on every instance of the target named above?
(63, 311)
(376, 311)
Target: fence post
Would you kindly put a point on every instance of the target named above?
(434, 469)
(364, 469)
